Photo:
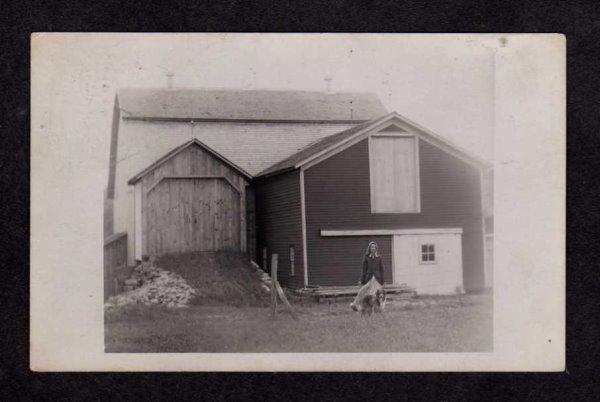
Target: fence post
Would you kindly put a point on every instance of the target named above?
(274, 260)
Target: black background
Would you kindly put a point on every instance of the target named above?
(578, 20)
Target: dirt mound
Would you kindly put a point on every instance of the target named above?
(219, 278)
(153, 285)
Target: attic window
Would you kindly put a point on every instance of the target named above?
(394, 171)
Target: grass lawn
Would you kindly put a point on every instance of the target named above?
(422, 325)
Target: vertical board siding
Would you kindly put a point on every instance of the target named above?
(279, 224)
(181, 213)
(338, 197)
(115, 261)
(394, 190)
(187, 215)
(108, 216)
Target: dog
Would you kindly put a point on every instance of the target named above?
(371, 303)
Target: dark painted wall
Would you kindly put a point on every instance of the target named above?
(337, 193)
(250, 223)
(336, 261)
(279, 224)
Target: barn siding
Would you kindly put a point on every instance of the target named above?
(192, 161)
(337, 193)
(250, 145)
(279, 224)
(186, 215)
(251, 223)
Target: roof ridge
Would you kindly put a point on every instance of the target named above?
(288, 105)
(227, 89)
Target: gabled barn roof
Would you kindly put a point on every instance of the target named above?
(315, 147)
(177, 150)
(248, 105)
(328, 144)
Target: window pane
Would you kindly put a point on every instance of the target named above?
(431, 248)
(424, 248)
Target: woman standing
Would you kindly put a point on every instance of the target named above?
(372, 265)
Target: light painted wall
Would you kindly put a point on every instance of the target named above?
(253, 146)
(441, 277)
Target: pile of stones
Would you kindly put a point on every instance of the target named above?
(152, 285)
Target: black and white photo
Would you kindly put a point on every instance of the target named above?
(269, 193)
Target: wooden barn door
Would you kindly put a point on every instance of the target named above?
(192, 214)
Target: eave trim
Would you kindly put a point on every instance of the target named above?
(389, 232)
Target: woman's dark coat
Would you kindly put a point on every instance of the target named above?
(372, 266)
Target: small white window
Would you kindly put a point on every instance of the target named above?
(394, 171)
(428, 254)
(292, 252)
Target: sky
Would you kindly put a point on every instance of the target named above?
(442, 82)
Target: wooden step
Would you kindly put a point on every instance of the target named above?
(334, 291)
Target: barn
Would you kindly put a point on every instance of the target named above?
(386, 180)
(191, 199)
(311, 176)
(169, 146)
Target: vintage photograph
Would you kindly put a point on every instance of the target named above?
(267, 194)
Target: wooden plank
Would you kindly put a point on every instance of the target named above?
(303, 222)
(390, 232)
(205, 217)
(486, 274)
(274, 259)
(417, 175)
(217, 216)
(353, 290)
(115, 257)
(285, 300)
(237, 218)
(242, 216)
(152, 240)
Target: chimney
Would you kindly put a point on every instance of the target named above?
(328, 83)
(170, 76)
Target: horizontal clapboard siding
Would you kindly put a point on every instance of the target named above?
(337, 195)
(279, 224)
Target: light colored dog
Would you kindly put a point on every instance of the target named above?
(371, 303)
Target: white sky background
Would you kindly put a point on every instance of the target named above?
(442, 82)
